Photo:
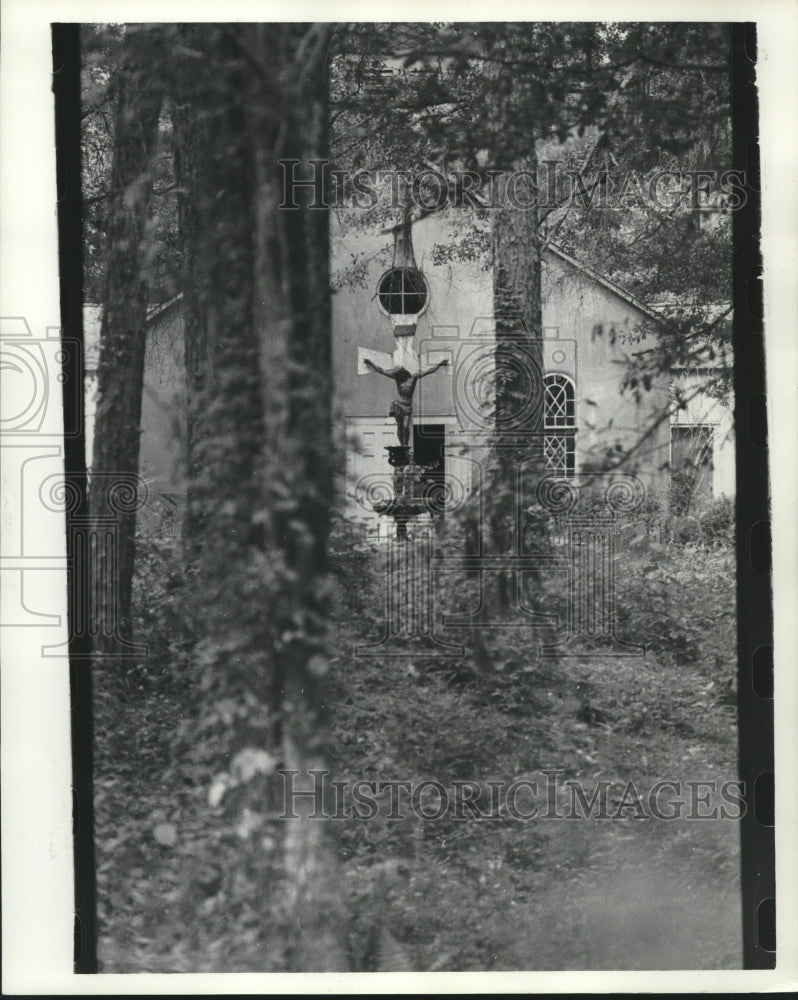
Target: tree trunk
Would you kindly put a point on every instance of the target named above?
(188, 124)
(519, 334)
(517, 301)
(115, 460)
(259, 358)
(297, 389)
(230, 591)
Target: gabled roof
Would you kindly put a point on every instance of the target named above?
(556, 251)
(92, 321)
(622, 293)
(675, 308)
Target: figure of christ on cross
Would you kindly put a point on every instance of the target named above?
(402, 408)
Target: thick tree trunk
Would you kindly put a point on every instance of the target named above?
(188, 124)
(258, 351)
(229, 590)
(519, 334)
(517, 296)
(297, 389)
(115, 460)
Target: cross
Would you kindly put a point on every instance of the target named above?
(404, 367)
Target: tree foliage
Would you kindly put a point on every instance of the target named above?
(596, 113)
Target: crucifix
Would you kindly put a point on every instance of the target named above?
(404, 367)
(402, 407)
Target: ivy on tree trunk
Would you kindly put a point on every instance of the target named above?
(259, 363)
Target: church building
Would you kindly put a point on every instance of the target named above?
(399, 303)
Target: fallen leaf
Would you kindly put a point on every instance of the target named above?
(165, 834)
(217, 790)
(251, 761)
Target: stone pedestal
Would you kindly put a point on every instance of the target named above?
(407, 501)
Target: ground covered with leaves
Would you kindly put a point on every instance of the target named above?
(435, 890)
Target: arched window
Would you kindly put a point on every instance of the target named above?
(559, 424)
(402, 291)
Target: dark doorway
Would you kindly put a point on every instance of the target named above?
(429, 452)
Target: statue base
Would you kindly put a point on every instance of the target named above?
(407, 501)
(398, 455)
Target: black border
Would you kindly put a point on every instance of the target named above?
(66, 88)
(754, 596)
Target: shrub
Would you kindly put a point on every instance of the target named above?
(717, 521)
(681, 608)
(685, 529)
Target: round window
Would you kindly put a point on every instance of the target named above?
(402, 291)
